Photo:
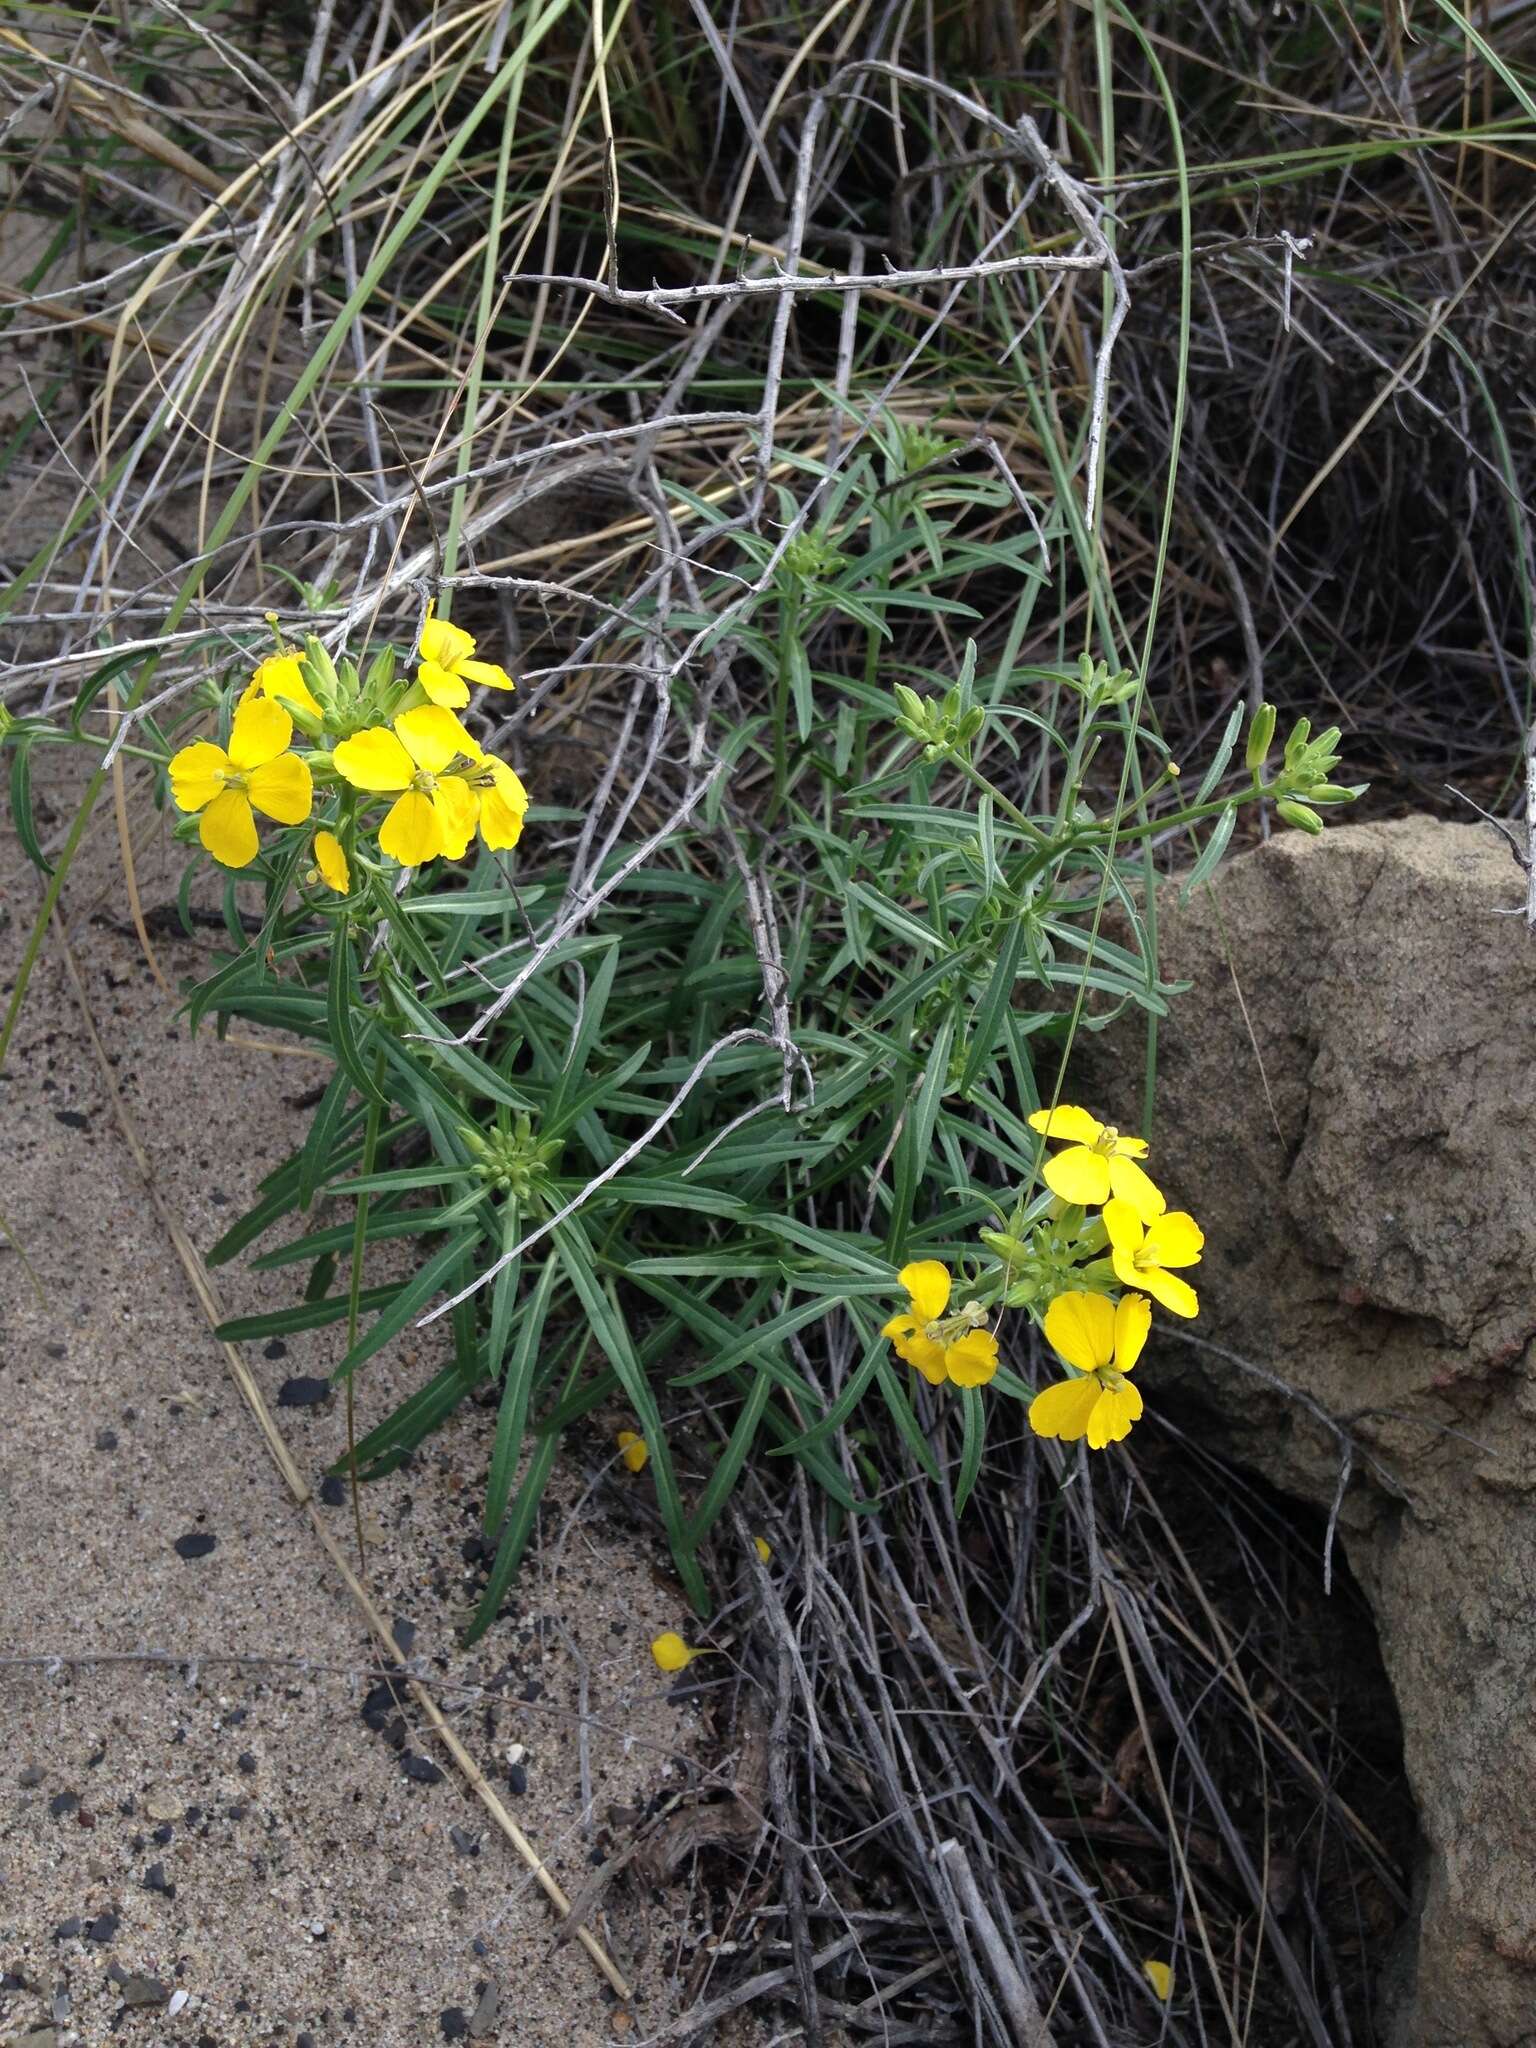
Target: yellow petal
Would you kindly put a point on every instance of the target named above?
(197, 774)
(1113, 1413)
(925, 1356)
(282, 789)
(457, 809)
(927, 1282)
(375, 760)
(972, 1359)
(332, 863)
(281, 676)
(411, 834)
(260, 733)
(488, 672)
(901, 1326)
(1074, 1125)
(432, 736)
(502, 807)
(1063, 1410)
(671, 1652)
(1175, 1240)
(443, 643)
(1131, 1185)
(1176, 1295)
(1078, 1175)
(1133, 1319)
(763, 1548)
(1126, 1270)
(1081, 1328)
(1128, 1148)
(228, 830)
(442, 687)
(1160, 1977)
(1124, 1227)
(635, 1450)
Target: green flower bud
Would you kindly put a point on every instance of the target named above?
(7, 724)
(1336, 792)
(1298, 815)
(1261, 734)
(1006, 1247)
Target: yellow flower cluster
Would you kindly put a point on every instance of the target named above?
(1101, 1341)
(1097, 1338)
(445, 786)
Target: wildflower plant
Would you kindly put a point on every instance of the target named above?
(792, 1063)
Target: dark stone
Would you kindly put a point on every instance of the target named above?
(420, 1768)
(533, 1690)
(304, 1391)
(155, 1881)
(517, 1778)
(333, 1492)
(247, 1763)
(380, 1703)
(275, 1348)
(463, 1841)
(106, 1439)
(68, 1929)
(62, 1803)
(192, 1816)
(103, 1928)
(72, 1119)
(163, 1834)
(145, 1991)
(196, 1543)
(453, 2023)
(30, 1775)
(405, 1635)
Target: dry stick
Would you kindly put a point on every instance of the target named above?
(298, 1486)
(1530, 830)
(1019, 2002)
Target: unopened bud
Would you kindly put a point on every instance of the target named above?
(1261, 733)
(1300, 816)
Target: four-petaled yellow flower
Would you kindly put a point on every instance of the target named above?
(634, 1450)
(448, 666)
(672, 1653)
(281, 677)
(1102, 1342)
(439, 804)
(255, 770)
(331, 863)
(1097, 1163)
(1140, 1252)
(953, 1349)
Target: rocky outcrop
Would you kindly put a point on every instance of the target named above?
(1347, 1101)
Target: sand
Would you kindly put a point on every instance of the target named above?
(236, 1831)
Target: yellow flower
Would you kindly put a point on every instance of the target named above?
(436, 811)
(1097, 1163)
(331, 863)
(1140, 1253)
(257, 769)
(672, 1653)
(447, 667)
(763, 1548)
(633, 1449)
(940, 1350)
(503, 801)
(1102, 1344)
(280, 677)
(1160, 1977)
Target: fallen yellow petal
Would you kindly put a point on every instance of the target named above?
(634, 1449)
(1160, 1977)
(671, 1652)
(763, 1548)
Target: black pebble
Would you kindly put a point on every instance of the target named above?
(305, 2041)
(517, 1778)
(106, 1439)
(10, 1981)
(247, 1762)
(303, 1392)
(155, 1881)
(453, 2023)
(532, 1690)
(463, 1841)
(196, 1543)
(62, 1803)
(421, 1768)
(68, 1929)
(163, 1833)
(405, 1635)
(72, 1119)
(333, 1494)
(103, 1928)
(275, 1349)
(380, 1703)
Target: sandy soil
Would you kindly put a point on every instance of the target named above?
(245, 1834)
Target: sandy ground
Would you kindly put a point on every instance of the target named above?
(285, 1867)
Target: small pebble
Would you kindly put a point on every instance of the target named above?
(303, 1392)
(103, 1928)
(30, 1775)
(453, 2023)
(155, 1881)
(62, 1803)
(333, 1492)
(106, 1439)
(405, 1635)
(196, 1543)
(483, 2020)
(517, 1778)
(276, 1348)
(145, 1991)
(67, 1930)
(420, 1768)
(463, 1841)
(72, 1119)
(247, 1762)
